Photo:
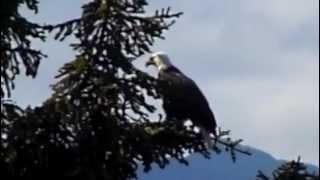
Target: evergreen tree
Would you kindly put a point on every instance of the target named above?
(97, 123)
(294, 170)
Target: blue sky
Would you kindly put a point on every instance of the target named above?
(256, 61)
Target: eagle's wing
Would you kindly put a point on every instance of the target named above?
(184, 99)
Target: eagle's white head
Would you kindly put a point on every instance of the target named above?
(159, 59)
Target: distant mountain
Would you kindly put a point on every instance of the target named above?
(219, 167)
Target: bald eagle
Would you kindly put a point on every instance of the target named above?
(182, 98)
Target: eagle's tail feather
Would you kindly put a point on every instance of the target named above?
(207, 138)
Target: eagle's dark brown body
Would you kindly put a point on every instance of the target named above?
(182, 99)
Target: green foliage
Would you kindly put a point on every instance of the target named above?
(294, 170)
(16, 33)
(97, 123)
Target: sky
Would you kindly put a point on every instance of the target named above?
(257, 62)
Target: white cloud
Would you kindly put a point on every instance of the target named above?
(275, 115)
(289, 13)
